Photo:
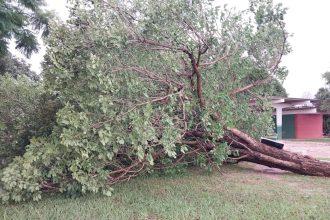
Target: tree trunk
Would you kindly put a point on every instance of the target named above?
(253, 151)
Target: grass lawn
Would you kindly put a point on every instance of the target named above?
(236, 193)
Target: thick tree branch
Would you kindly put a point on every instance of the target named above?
(199, 80)
(273, 157)
(252, 85)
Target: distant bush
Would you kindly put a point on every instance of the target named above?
(26, 110)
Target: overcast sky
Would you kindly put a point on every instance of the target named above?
(307, 20)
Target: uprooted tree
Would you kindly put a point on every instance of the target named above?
(156, 85)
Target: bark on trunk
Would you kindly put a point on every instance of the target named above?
(253, 151)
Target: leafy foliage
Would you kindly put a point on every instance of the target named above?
(15, 67)
(149, 85)
(279, 90)
(324, 93)
(18, 19)
(25, 111)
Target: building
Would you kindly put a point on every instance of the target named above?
(297, 118)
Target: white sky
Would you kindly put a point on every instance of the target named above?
(307, 20)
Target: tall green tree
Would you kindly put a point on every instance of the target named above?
(15, 67)
(26, 110)
(323, 94)
(149, 85)
(19, 19)
(278, 88)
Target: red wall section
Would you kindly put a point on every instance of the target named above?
(309, 126)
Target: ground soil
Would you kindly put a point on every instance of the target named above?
(314, 149)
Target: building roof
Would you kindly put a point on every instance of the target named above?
(291, 100)
(291, 105)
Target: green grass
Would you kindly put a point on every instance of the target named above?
(235, 193)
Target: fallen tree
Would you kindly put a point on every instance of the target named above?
(152, 86)
(246, 148)
(253, 151)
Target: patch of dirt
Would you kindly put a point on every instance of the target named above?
(314, 149)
